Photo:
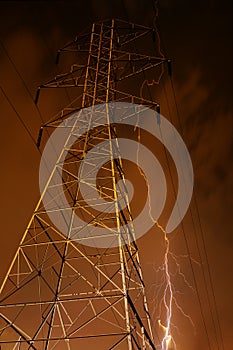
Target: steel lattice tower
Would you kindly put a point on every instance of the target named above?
(65, 291)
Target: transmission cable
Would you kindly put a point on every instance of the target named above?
(21, 78)
(19, 118)
(155, 6)
(201, 232)
(50, 53)
(186, 242)
(203, 243)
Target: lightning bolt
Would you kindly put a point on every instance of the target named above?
(167, 296)
(168, 292)
(168, 299)
(167, 338)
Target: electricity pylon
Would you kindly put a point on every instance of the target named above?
(64, 288)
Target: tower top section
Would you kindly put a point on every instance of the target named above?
(112, 58)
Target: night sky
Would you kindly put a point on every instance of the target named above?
(197, 36)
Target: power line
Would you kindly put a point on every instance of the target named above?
(21, 78)
(19, 118)
(199, 221)
(26, 88)
(209, 272)
(50, 53)
(203, 244)
(155, 7)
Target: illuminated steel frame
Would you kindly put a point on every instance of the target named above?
(58, 293)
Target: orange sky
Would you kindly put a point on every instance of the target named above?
(198, 39)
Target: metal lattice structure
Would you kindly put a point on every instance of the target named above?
(65, 291)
